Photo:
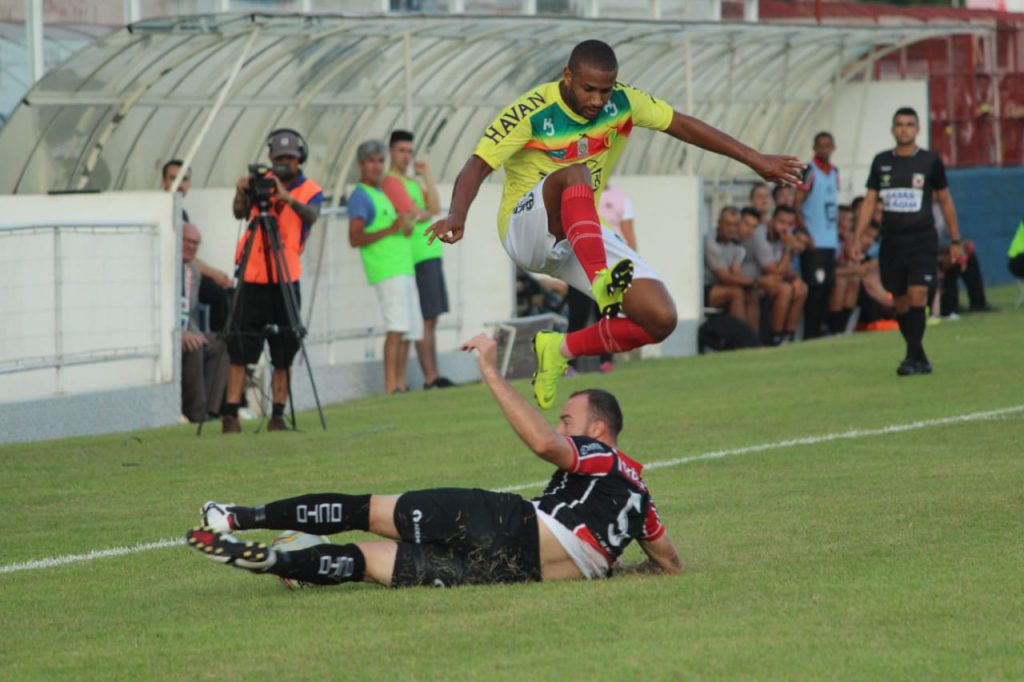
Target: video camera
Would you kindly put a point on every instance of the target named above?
(262, 187)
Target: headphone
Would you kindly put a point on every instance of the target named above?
(303, 147)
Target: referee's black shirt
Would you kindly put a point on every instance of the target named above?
(905, 185)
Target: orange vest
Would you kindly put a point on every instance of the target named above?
(289, 225)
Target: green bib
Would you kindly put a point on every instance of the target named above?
(1017, 245)
(421, 251)
(390, 256)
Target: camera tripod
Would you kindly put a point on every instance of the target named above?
(276, 265)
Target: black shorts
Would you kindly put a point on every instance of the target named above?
(262, 315)
(457, 536)
(432, 290)
(818, 268)
(908, 259)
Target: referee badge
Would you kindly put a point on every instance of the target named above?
(918, 181)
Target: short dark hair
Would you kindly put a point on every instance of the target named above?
(845, 207)
(172, 162)
(731, 210)
(855, 204)
(824, 133)
(755, 187)
(399, 136)
(783, 209)
(775, 192)
(603, 406)
(593, 53)
(905, 111)
(749, 210)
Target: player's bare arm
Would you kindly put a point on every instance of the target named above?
(773, 168)
(527, 422)
(662, 558)
(450, 228)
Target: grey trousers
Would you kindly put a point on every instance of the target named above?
(204, 374)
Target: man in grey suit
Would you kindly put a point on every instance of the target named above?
(204, 360)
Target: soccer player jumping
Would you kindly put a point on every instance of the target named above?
(559, 143)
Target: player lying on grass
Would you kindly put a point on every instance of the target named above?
(593, 507)
(558, 144)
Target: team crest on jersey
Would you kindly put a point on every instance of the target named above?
(582, 147)
(918, 180)
(885, 180)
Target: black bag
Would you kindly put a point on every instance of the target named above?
(725, 332)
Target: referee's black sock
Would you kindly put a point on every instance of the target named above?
(320, 513)
(914, 325)
(322, 564)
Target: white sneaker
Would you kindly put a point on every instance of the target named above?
(218, 517)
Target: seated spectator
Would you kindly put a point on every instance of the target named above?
(950, 274)
(539, 294)
(874, 301)
(761, 200)
(204, 358)
(725, 285)
(750, 220)
(1016, 252)
(783, 195)
(843, 297)
(773, 248)
(382, 236)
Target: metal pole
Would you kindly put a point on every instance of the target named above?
(34, 39)
(58, 303)
(132, 11)
(751, 10)
(688, 49)
(187, 161)
(529, 7)
(655, 9)
(407, 43)
(992, 66)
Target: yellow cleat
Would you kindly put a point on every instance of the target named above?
(550, 366)
(610, 285)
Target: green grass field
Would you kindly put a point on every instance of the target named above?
(880, 557)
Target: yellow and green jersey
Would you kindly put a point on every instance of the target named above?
(539, 133)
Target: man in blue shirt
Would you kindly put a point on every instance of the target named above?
(817, 210)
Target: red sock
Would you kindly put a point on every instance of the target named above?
(583, 228)
(616, 335)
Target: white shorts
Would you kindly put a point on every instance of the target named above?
(400, 306)
(590, 562)
(529, 244)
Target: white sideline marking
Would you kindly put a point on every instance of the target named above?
(716, 454)
(813, 440)
(88, 556)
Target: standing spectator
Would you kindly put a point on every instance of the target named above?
(843, 297)
(725, 286)
(215, 283)
(617, 212)
(773, 248)
(905, 179)
(1016, 252)
(816, 209)
(296, 206)
(381, 235)
(204, 359)
(418, 196)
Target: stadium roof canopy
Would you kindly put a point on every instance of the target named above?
(210, 88)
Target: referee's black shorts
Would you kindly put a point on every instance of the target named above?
(466, 537)
(908, 259)
(262, 315)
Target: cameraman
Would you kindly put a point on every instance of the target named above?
(294, 203)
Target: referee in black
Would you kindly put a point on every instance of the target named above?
(906, 180)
